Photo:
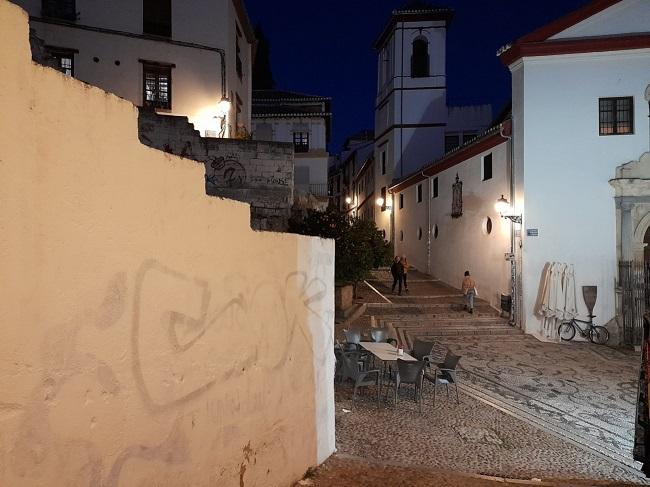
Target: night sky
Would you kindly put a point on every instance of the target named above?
(325, 48)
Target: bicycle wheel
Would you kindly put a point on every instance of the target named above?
(599, 335)
(566, 330)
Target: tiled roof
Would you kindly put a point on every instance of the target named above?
(284, 95)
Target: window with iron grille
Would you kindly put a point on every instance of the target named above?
(157, 86)
(616, 115)
(418, 193)
(157, 17)
(59, 9)
(301, 141)
(401, 201)
(383, 162)
(434, 183)
(64, 59)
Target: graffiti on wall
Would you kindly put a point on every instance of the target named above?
(225, 171)
(202, 337)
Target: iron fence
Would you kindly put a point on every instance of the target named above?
(634, 284)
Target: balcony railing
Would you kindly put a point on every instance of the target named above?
(318, 189)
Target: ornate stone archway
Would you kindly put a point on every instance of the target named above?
(632, 186)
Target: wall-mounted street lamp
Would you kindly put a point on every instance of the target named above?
(348, 200)
(503, 208)
(380, 201)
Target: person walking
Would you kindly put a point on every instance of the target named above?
(469, 290)
(397, 270)
(406, 266)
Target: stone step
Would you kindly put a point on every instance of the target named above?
(459, 331)
(433, 320)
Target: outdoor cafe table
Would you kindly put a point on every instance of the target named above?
(385, 351)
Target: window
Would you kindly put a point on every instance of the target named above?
(434, 190)
(487, 167)
(401, 201)
(383, 162)
(157, 17)
(157, 86)
(435, 231)
(420, 58)
(301, 141)
(64, 59)
(239, 66)
(59, 9)
(467, 136)
(240, 129)
(486, 227)
(451, 142)
(616, 115)
(418, 193)
(401, 235)
(420, 233)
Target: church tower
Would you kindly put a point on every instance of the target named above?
(411, 105)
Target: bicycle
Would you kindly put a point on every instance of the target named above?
(594, 333)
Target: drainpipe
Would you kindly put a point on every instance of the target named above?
(429, 196)
(513, 263)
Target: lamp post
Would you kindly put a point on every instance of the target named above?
(502, 206)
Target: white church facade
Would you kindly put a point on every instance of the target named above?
(570, 163)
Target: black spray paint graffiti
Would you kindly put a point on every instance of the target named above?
(226, 171)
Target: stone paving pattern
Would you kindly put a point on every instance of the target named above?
(345, 471)
(468, 437)
(565, 402)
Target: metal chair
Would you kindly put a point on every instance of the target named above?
(361, 378)
(379, 335)
(444, 373)
(422, 350)
(409, 372)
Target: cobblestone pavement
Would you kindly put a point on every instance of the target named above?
(528, 409)
(469, 437)
(346, 471)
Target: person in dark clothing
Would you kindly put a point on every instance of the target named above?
(397, 270)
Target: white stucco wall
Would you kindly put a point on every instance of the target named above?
(462, 243)
(196, 80)
(567, 166)
(149, 336)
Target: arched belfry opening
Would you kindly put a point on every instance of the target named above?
(420, 58)
(646, 248)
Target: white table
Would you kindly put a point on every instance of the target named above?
(385, 352)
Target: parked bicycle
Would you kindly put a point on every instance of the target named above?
(594, 333)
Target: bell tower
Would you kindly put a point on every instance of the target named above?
(411, 104)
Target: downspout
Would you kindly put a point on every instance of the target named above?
(401, 113)
(429, 197)
(513, 263)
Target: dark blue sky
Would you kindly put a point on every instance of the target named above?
(324, 47)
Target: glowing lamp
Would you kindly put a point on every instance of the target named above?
(348, 200)
(380, 201)
(502, 206)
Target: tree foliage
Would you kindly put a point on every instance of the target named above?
(360, 246)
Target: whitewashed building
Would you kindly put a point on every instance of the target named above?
(303, 120)
(445, 235)
(573, 165)
(580, 111)
(190, 57)
(413, 123)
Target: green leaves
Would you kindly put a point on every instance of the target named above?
(360, 246)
